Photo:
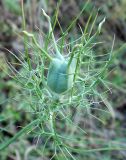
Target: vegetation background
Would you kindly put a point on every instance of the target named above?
(13, 115)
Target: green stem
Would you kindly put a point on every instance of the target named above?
(94, 150)
(53, 128)
(22, 131)
(52, 122)
(53, 38)
(35, 42)
(25, 38)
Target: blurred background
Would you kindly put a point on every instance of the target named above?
(13, 117)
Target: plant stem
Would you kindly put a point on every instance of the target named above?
(52, 122)
(22, 131)
(53, 38)
(35, 42)
(25, 38)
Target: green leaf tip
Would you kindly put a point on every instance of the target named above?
(100, 25)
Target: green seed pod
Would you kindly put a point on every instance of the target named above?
(60, 76)
(61, 72)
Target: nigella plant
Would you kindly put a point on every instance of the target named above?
(60, 84)
(61, 71)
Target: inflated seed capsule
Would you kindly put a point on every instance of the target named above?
(60, 76)
(61, 71)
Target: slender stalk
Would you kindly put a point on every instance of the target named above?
(22, 131)
(53, 38)
(35, 42)
(52, 123)
(25, 38)
(53, 129)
